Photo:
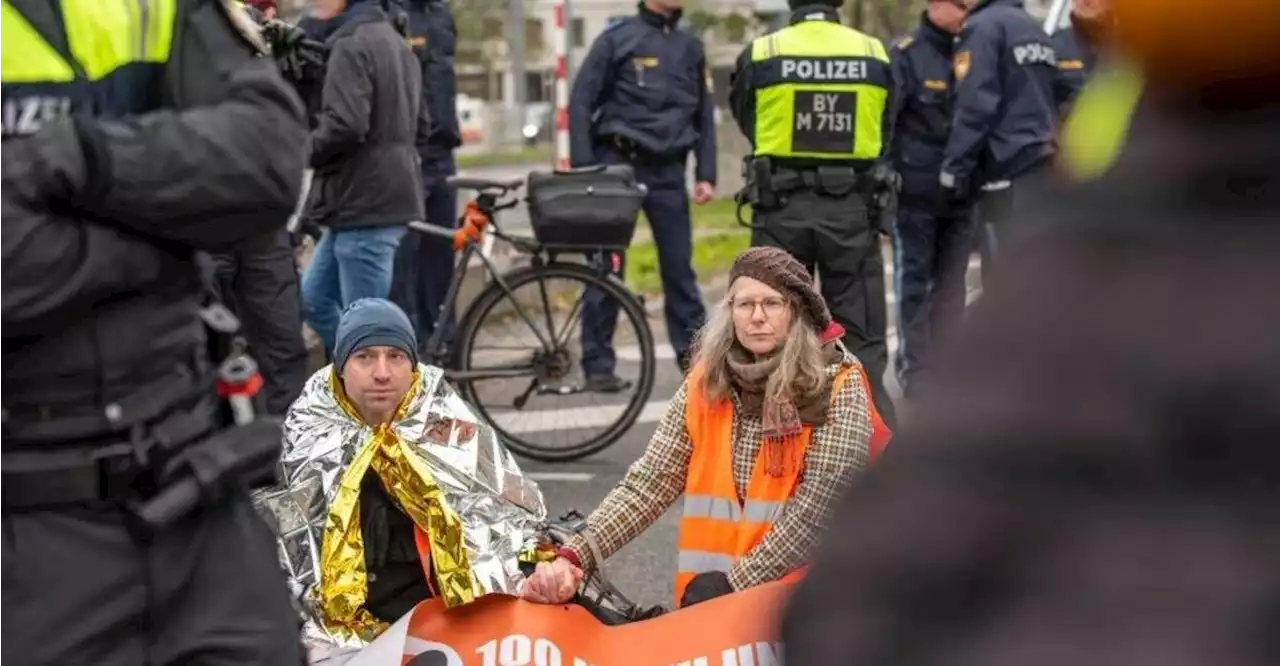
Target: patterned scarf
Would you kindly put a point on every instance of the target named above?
(781, 421)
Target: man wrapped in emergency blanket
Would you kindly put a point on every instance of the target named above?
(372, 519)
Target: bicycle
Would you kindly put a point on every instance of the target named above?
(550, 362)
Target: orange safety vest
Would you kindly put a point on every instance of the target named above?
(716, 529)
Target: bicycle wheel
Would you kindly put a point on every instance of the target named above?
(531, 300)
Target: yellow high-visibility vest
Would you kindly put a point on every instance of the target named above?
(821, 89)
(104, 37)
(1094, 133)
(115, 51)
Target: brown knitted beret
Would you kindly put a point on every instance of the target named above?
(778, 269)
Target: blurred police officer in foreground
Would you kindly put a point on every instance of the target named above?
(1005, 111)
(641, 98)
(931, 244)
(1083, 485)
(812, 99)
(132, 141)
(1078, 46)
(424, 263)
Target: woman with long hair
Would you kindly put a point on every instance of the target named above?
(772, 422)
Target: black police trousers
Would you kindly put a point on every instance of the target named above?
(837, 236)
(259, 282)
(931, 260)
(78, 588)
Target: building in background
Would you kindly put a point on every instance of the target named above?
(726, 26)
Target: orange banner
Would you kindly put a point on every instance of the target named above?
(736, 630)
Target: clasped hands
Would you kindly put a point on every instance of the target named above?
(554, 582)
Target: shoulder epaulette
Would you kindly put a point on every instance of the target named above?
(903, 43)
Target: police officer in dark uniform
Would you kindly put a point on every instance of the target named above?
(1005, 112)
(641, 98)
(1077, 47)
(132, 140)
(424, 263)
(931, 245)
(813, 99)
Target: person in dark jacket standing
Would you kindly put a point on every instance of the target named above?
(366, 188)
(424, 263)
(120, 167)
(1005, 113)
(258, 280)
(931, 244)
(1094, 477)
(641, 98)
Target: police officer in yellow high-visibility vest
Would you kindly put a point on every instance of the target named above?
(136, 133)
(811, 97)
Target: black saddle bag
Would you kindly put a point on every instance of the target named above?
(585, 209)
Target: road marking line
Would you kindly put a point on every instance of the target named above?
(579, 477)
(573, 418)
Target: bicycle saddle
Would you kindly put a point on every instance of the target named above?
(484, 184)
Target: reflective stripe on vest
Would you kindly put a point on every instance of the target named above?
(821, 90)
(119, 47)
(1094, 134)
(716, 529)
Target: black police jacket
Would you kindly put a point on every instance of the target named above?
(1005, 114)
(1076, 61)
(645, 79)
(434, 38)
(363, 151)
(920, 111)
(104, 214)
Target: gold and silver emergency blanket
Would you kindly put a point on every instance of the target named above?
(446, 470)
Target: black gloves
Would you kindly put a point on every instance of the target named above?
(705, 586)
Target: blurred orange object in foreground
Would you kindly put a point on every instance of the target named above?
(1193, 43)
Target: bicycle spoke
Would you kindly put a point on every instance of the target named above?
(562, 338)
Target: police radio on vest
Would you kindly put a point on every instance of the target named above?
(824, 70)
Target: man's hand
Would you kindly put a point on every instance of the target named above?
(552, 582)
(703, 192)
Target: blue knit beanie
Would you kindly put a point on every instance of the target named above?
(373, 322)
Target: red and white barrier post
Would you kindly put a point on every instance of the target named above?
(560, 37)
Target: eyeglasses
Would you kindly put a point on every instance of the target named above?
(772, 307)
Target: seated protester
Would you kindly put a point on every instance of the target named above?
(771, 424)
(392, 483)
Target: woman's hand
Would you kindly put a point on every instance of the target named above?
(552, 582)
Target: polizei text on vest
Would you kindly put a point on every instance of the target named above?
(824, 69)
